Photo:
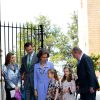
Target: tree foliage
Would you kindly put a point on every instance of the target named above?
(65, 42)
(50, 33)
(58, 43)
(96, 60)
(73, 30)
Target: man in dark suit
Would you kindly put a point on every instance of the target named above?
(87, 81)
(27, 69)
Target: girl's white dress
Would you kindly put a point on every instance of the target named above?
(71, 85)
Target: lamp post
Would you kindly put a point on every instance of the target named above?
(41, 29)
(40, 33)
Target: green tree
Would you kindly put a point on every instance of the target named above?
(73, 38)
(58, 43)
(73, 30)
(65, 42)
(50, 33)
(95, 58)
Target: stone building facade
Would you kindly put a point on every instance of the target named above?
(89, 26)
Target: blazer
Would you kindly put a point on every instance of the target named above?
(86, 74)
(41, 79)
(28, 72)
(11, 77)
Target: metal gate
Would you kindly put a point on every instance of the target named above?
(12, 39)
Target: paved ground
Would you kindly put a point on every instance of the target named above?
(3, 93)
(98, 96)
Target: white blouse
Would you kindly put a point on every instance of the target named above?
(71, 85)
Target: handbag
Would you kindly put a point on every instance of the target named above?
(18, 95)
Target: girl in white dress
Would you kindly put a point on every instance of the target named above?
(68, 87)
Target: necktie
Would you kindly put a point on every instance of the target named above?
(29, 61)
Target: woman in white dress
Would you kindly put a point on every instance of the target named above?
(68, 87)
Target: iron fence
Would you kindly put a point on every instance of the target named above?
(12, 39)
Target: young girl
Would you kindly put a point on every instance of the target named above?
(53, 88)
(68, 85)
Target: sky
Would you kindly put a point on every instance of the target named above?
(20, 11)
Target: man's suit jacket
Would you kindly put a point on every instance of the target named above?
(86, 74)
(28, 72)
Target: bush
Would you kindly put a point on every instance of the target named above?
(96, 61)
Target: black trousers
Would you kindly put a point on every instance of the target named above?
(8, 96)
(29, 94)
(88, 96)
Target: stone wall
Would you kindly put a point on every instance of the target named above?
(93, 12)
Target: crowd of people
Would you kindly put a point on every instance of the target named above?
(41, 81)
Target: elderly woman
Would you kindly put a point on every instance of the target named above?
(11, 75)
(41, 79)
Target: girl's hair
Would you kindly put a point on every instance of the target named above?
(8, 57)
(54, 72)
(69, 78)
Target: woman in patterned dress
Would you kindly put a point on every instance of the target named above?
(54, 85)
(68, 85)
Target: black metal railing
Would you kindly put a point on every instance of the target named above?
(12, 39)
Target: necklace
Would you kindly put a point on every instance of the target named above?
(42, 69)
